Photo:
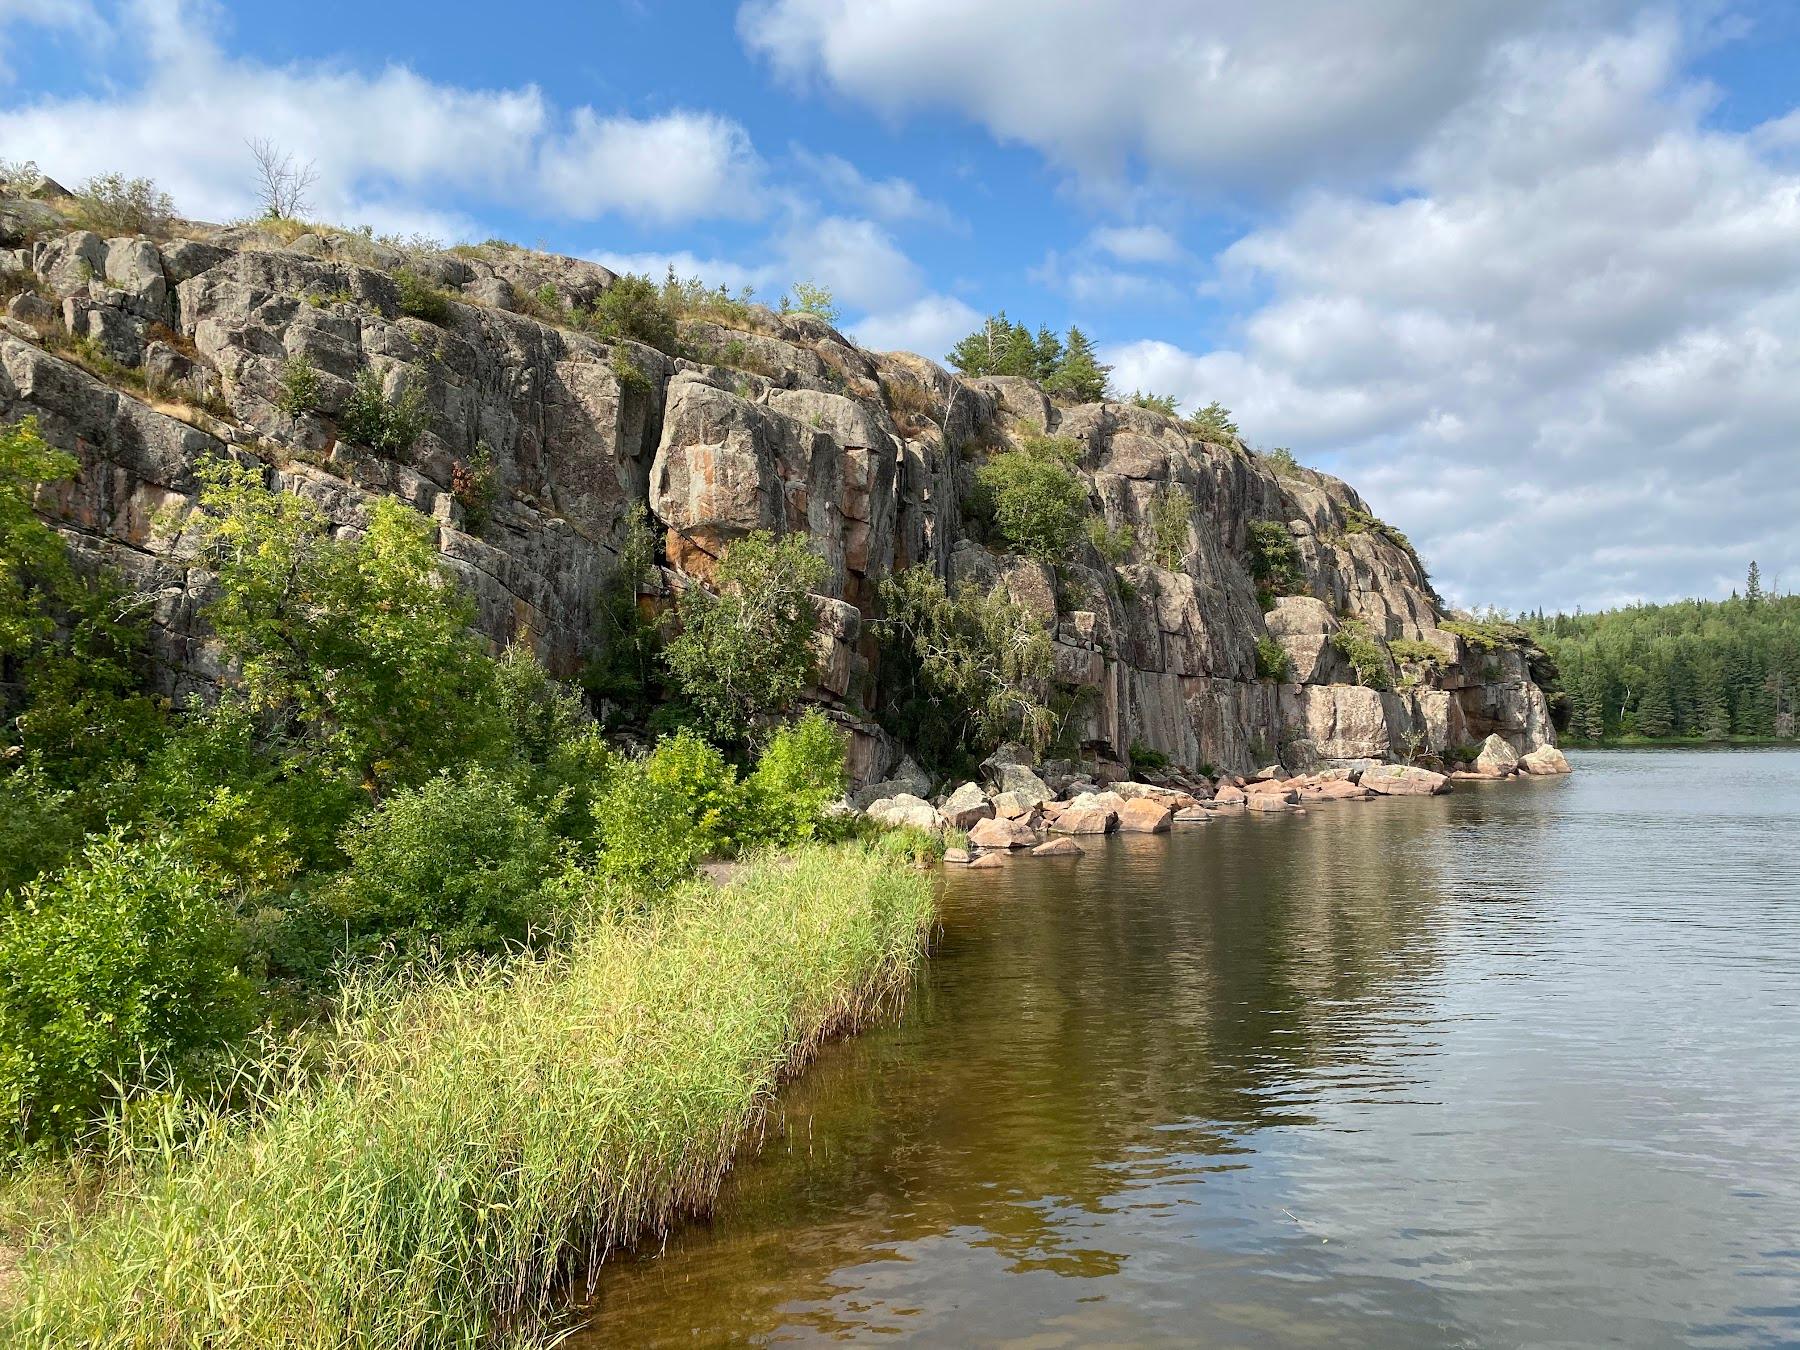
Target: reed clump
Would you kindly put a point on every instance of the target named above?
(456, 1152)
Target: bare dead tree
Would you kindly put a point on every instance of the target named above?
(281, 184)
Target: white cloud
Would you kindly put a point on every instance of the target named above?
(675, 167)
(1566, 359)
(388, 136)
(857, 259)
(1221, 95)
(894, 200)
(929, 326)
(1137, 243)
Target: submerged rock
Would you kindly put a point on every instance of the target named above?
(1058, 848)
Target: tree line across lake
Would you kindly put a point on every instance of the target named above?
(1693, 670)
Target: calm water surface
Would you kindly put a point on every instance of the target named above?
(1517, 1066)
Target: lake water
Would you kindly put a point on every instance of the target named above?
(1515, 1066)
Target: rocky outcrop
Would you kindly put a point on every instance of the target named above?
(147, 357)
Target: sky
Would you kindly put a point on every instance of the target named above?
(1526, 274)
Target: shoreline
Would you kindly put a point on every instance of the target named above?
(477, 1146)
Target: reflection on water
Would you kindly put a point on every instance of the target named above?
(1520, 1065)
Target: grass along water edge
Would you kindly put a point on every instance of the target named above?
(476, 1142)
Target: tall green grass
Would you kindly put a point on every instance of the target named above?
(473, 1144)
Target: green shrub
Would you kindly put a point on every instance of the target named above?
(1489, 635)
(1162, 403)
(1040, 504)
(1113, 544)
(475, 484)
(1364, 651)
(372, 419)
(746, 651)
(111, 204)
(360, 647)
(1272, 660)
(629, 374)
(1213, 423)
(964, 671)
(1274, 558)
(633, 307)
(799, 773)
(455, 866)
(1171, 517)
(299, 387)
(808, 298)
(123, 966)
(657, 816)
(1143, 757)
(1412, 651)
(421, 299)
(40, 826)
(1283, 462)
(245, 811)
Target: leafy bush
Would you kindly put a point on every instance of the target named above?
(1490, 635)
(1213, 423)
(1171, 517)
(122, 965)
(1412, 651)
(1274, 557)
(1272, 660)
(421, 299)
(1162, 403)
(1363, 651)
(965, 671)
(299, 387)
(1283, 462)
(634, 307)
(746, 651)
(455, 866)
(808, 298)
(1040, 504)
(361, 646)
(474, 483)
(1143, 757)
(111, 204)
(799, 773)
(1112, 544)
(655, 817)
(390, 426)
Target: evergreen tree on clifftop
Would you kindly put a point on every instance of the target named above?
(1002, 347)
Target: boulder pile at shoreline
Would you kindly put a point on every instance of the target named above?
(1044, 810)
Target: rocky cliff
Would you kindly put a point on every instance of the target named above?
(145, 356)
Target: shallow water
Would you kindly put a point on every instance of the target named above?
(1516, 1066)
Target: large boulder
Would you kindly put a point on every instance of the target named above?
(1546, 759)
(965, 806)
(998, 833)
(904, 809)
(1145, 815)
(1497, 758)
(1058, 848)
(1404, 780)
(1082, 820)
(1021, 783)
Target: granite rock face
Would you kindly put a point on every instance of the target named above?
(767, 421)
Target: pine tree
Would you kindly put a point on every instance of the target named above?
(1080, 375)
(1047, 353)
(1753, 590)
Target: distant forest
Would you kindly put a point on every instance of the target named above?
(1696, 669)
